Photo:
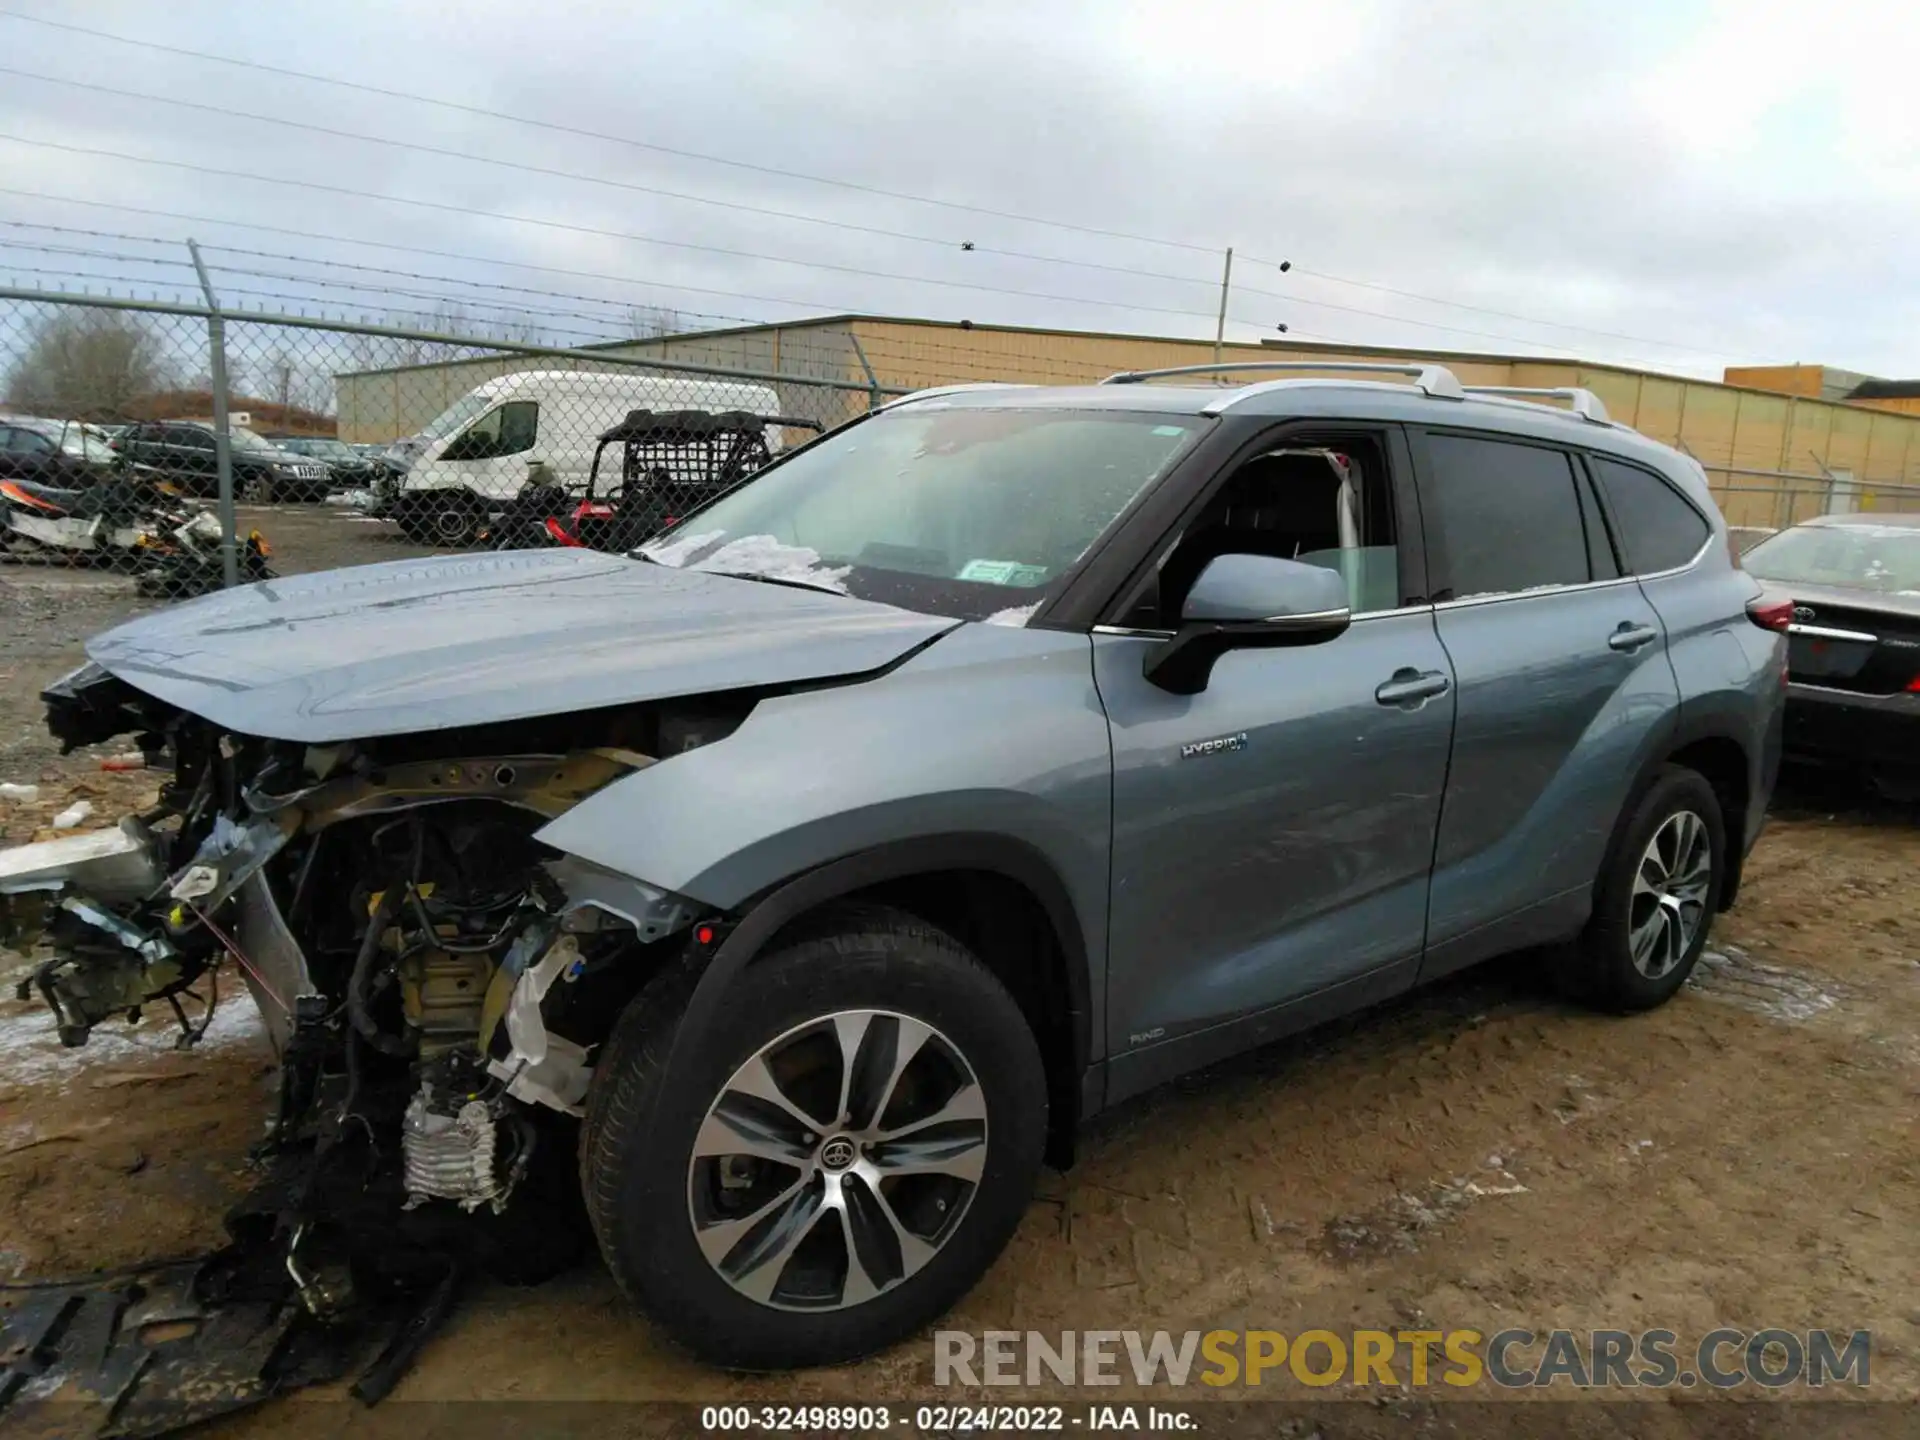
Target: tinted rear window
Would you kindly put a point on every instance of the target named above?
(1657, 529)
(1507, 517)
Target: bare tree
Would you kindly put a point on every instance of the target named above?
(650, 322)
(87, 364)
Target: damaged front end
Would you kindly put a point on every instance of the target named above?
(433, 979)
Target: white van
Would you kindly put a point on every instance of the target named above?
(480, 451)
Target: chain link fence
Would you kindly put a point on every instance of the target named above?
(183, 448)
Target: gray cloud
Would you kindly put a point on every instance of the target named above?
(1590, 165)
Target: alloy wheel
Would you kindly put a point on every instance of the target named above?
(1669, 900)
(837, 1161)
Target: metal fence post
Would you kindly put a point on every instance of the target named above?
(222, 444)
(873, 380)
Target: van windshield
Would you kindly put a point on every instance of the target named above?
(969, 512)
(456, 415)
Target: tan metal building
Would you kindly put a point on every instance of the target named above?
(1772, 456)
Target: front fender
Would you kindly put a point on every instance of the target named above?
(992, 733)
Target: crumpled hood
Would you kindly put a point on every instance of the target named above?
(420, 645)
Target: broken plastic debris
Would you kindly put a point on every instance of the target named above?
(133, 760)
(194, 882)
(25, 794)
(74, 815)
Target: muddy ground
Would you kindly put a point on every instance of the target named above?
(1477, 1155)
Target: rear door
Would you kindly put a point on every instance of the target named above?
(1563, 687)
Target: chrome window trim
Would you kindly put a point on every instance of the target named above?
(1698, 556)
(1535, 593)
(1132, 632)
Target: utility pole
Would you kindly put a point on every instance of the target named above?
(1220, 325)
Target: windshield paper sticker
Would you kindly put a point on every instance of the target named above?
(1003, 572)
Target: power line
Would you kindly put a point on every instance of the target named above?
(1457, 305)
(854, 186)
(942, 242)
(594, 230)
(564, 129)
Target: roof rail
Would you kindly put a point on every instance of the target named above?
(1584, 403)
(1430, 379)
(953, 390)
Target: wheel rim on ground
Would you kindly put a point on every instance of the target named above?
(837, 1161)
(1669, 901)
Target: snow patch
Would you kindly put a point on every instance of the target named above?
(31, 1054)
(777, 560)
(1017, 615)
(675, 551)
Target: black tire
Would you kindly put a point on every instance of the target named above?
(444, 517)
(1600, 969)
(256, 490)
(638, 1197)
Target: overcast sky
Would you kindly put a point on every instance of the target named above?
(1679, 185)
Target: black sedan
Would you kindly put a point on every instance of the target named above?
(1853, 666)
(347, 468)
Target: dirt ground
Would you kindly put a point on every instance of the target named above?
(1476, 1155)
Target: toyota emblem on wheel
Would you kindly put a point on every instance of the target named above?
(837, 1154)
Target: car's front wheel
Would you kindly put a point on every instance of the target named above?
(1656, 896)
(835, 1163)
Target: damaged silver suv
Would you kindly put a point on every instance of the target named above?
(808, 876)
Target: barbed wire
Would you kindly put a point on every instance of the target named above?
(631, 236)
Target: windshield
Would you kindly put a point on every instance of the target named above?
(455, 415)
(1863, 557)
(972, 513)
(79, 441)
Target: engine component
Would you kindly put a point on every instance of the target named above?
(442, 996)
(449, 1152)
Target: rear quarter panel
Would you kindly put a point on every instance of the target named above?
(1727, 668)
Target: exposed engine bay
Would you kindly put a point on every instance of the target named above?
(433, 979)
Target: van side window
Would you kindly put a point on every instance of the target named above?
(1658, 530)
(507, 429)
(1505, 516)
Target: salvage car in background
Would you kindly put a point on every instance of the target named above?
(347, 468)
(990, 760)
(1853, 694)
(61, 453)
(182, 453)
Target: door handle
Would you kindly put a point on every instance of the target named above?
(1412, 688)
(1629, 636)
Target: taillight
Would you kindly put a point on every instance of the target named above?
(1913, 686)
(1771, 613)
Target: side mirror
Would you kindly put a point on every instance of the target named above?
(1247, 602)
